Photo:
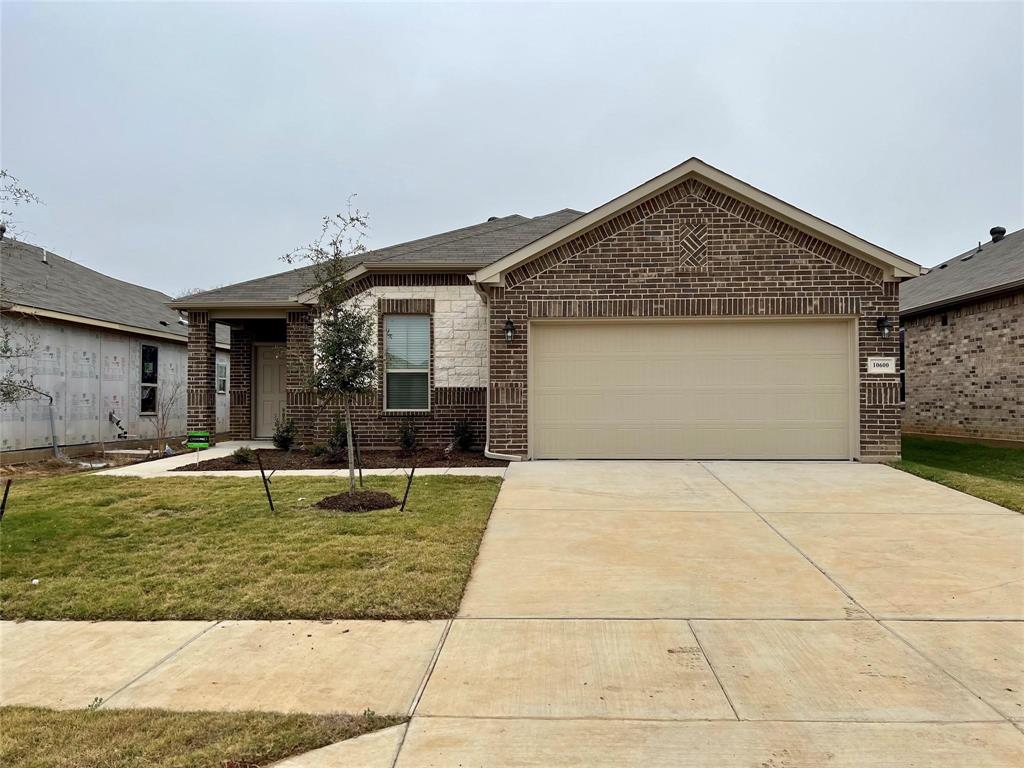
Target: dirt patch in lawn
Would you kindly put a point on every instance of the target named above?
(304, 459)
(36, 470)
(358, 501)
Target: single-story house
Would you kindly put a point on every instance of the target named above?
(963, 340)
(694, 316)
(111, 354)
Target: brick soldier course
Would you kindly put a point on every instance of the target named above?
(692, 248)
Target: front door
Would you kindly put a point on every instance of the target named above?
(271, 393)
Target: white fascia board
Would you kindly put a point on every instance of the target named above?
(67, 317)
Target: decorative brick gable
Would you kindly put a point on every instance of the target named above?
(692, 243)
(714, 202)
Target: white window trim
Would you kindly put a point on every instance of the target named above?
(386, 370)
(217, 379)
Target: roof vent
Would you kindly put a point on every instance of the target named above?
(998, 233)
(492, 218)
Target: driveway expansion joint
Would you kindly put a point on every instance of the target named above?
(803, 554)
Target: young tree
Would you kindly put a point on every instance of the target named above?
(344, 359)
(12, 194)
(169, 395)
(16, 346)
(16, 351)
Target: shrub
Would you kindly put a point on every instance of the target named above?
(244, 455)
(409, 436)
(463, 435)
(316, 451)
(284, 434)
(337, 441)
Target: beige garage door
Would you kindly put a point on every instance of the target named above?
(731, 390)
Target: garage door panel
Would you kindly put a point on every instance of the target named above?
(690, 390)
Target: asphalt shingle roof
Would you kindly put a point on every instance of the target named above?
(996, 267)
(474, 246)
(61, 285)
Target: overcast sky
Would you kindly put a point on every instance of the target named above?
(190, 145)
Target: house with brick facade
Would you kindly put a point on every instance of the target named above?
(963, 340)
(694, 316)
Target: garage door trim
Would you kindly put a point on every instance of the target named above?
(851, 322)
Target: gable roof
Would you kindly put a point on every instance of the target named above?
(992, 268)
(37, 281)
(894, 266)
(461, 250)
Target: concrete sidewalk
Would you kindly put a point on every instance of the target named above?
(165, 467)
(281, 666)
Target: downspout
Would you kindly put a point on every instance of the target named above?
(487, 389)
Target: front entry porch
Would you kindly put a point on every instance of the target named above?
(270, 352)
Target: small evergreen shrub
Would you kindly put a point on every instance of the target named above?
(244, 455)
(337, 441)
(284, 434)
(316, 451)
(463, 435)
(409, 437)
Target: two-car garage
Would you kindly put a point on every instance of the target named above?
(693, 389)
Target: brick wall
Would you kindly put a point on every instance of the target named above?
(693, 252)
(301, 403)
(966, 378)
(202, 374)
(240, 389)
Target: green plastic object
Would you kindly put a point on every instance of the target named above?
(198, 440)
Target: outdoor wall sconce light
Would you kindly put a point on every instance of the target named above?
(510, 331)
(884, 325)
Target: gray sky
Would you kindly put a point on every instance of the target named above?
(190, 145)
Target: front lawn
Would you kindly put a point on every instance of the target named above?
(209, 548)
(994, 474)
(160, 739)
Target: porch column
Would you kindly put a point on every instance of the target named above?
(240, 408)
(301, 403)
(202, 374)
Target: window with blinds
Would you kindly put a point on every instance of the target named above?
(407, 362)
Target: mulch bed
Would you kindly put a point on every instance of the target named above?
(303, 459)
(358, 501)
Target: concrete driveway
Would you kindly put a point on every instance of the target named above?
(732, 614)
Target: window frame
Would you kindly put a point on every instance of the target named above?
(385, 370)
(155, 384)
(217, 379)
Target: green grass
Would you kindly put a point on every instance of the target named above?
(209, 548)
(34, 738)
(994, 474)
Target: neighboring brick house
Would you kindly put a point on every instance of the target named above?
(692, 317)
(963, 330)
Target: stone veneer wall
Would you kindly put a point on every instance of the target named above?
(693, 251)
(966, 378)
